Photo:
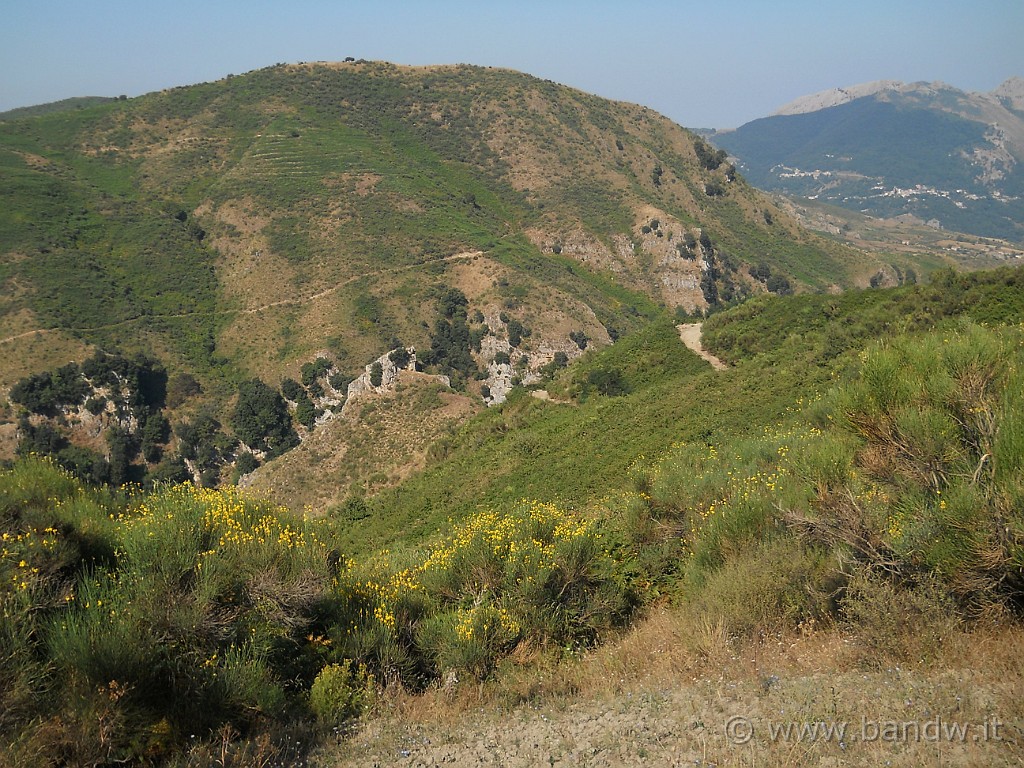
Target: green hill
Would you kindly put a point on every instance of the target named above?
(256, 226)
(242, 226)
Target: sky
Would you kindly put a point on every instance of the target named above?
(713, 64)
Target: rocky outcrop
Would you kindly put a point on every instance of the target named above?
(363, 384)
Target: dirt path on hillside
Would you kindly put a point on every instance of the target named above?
(247, 311)
(690, 335)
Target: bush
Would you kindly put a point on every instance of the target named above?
(516, 332)
(769, 587)
(898, 623)
(181, 387)
(306, 412)
(339, 382)
(261, 419)
(938, 421)
(341, 692)
(400, 357)
(608, 381)
(376, 374)
(246, 463)
(291, 389)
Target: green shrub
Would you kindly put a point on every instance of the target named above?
(764, 588)
(341, 692)
(897, 622)
(376, 374)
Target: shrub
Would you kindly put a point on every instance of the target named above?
(376, 374)
(291, 389)
(246, 463)
(261, 418)
(898, 623)
(608, 381)
(400, 357)
(305, 412)
(516, 332)
(938, 419)
(768, 587)
(181, 387)
(341, 692)
(339, 382)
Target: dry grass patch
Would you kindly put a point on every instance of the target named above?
(663, 693)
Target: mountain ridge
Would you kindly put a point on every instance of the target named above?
(890, 149)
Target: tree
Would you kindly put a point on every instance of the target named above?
(516, 331)
(400, 357)
(376, 374)
(261, 419)
(291, 389)
(155, 432)
(761, 272)
(579, 338)
(779, 284)
(451, 343)
(608, 381)
(305, 411)
(180, 387)
(246, 463)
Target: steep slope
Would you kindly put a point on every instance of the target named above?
(250, 221)
(887, 148)
(242, 230)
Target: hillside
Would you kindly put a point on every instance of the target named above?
(888, 149)
(826, 531)
(254, 226)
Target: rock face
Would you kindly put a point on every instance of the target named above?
(363, 384)
(833, 97)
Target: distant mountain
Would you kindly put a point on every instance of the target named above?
(886, 148)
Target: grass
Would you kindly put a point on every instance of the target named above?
(777, 525)
(355, 170)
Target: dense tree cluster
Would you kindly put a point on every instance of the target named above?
(709, 157)
(137, 388)
(450, 343)
(261, 419)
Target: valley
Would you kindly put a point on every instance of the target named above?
(351, 411)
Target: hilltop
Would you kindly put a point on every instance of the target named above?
(251, 227)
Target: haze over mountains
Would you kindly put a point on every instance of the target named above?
(888, 149)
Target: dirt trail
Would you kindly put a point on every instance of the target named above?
(690, 335)
(247, 311)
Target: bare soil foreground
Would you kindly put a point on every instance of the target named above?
(690, 334)
(660, 699)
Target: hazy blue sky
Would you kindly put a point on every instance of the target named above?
(717, 63)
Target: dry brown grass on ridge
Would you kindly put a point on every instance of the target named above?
(663, 693)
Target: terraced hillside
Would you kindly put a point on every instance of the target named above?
(243, 226)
